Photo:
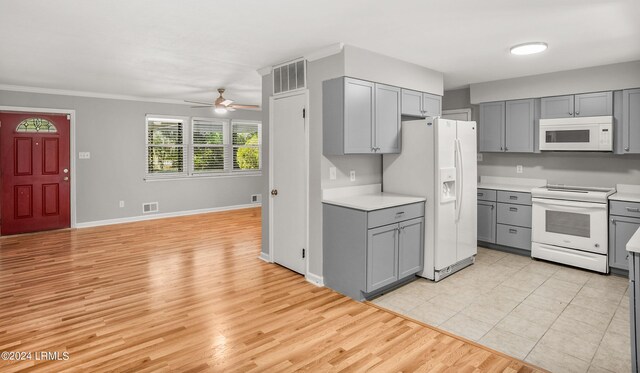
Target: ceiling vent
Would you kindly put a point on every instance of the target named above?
(290, 76)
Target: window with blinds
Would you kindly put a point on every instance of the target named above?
(202, 146)
(208, 150)
(246, 144)
(165, 146)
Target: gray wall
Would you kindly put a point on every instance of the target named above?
(460, 99)
(114, 132)
(591, 79)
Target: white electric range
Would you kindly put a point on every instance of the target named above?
(569, 225)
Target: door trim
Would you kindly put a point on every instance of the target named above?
(270, 256)
(72, 146)
(459, 111)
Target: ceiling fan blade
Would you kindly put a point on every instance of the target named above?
(249, 107)
(199, 102)
(226, 102)
(199, 106)
(230, 108)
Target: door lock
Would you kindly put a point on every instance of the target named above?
(66, 171)
(274, 192)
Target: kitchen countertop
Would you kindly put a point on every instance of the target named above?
(511, 184)
(626, 192)
(634, 243)
(366, 198)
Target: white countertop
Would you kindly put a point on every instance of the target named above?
(626, 192)
(511, 184)
(366, 198)
(634, 242)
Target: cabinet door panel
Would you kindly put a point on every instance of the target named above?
(359, 115)
(491, 127)
(487, 222)
(519, 126)
(431, 104)
(620, 231)
(412, 103)
(382, 257)
(411, 247)
(631, 121)
(594, 104)
(557, 107)
(387, 119)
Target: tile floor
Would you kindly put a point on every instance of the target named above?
(559, 318)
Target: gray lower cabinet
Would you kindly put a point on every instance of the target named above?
(624, 221)
(504, 218)
(634, 308)
(366, 251)
(508, 126)
(581, 105)
(360, 117)
(420, 104)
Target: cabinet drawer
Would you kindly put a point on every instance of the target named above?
(512, 214)
(486, 195)
(395, 214)
(511, 236)
(514, 197)
(622, 208)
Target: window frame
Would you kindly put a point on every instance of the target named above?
(188, 149)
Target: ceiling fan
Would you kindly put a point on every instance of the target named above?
(221, 105)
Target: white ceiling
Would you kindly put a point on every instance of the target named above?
(186, 49)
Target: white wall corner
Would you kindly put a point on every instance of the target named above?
(265, 256)
(315, 279)
(265, 70)
(324, 52)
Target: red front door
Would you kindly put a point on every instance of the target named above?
(35, 172)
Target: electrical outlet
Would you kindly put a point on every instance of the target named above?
(519, 169)
(121, 204)
(352, 175)
(332, 173)
(479, 157)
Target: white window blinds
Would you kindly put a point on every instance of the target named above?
(247, 141)
(165, 146)
(208, 151)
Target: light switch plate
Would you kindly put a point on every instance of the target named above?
(479, 157)
(332, 173)
(84, 155)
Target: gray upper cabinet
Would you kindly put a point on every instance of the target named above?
(491, 127)
(630, 121)
(557, 107)
(410, 247)
(582, 105)
(420, 104)
(412, 103)
(387, 119)
(360, 117)
(520, 120)
(593, 104)
(382, 257)
(431, 105)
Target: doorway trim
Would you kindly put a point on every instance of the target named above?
(270, 256)
(72, 146)
(459, 111)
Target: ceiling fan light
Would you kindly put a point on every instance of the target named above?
(220, 110)
(528, 48)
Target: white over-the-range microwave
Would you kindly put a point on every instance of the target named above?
(577, 134)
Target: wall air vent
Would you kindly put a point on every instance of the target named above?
(256, 198)
(149, 207)
(289, 76)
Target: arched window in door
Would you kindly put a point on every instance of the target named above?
(36, 125)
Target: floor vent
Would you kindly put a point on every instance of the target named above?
(149, 207)
(256, 198)
(289, 76)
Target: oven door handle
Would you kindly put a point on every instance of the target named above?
(571, 206)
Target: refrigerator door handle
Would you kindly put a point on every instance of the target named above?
(460, 179)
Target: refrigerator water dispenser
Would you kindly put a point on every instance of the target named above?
(447, 184)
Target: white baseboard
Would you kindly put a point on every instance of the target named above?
(266, 257)
(99, 223)
(315, 279)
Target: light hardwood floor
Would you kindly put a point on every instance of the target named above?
(189, 294)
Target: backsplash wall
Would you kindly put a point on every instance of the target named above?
(582, 169)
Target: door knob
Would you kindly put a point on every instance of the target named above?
(66, 170)
(274, 192)
(66, 178)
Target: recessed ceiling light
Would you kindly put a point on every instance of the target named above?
(528, 48)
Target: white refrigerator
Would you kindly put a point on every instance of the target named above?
(438, 161)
